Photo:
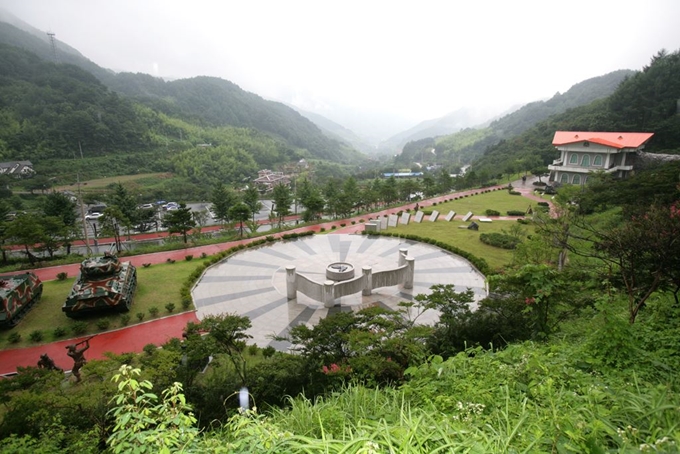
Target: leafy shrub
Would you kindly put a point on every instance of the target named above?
(153, 311)
(36, 336)
(361, 220)
(322, 229)
(62, 276)
(343, 224)
(523, 221)
(492, 213)
(354, 222)
(170, 307)
(270, 238)
(103, 324)
(14, 337)
(543, 204)
(253, 349)
(58, 332)
(149, 349)
(333, 227)
(188, 258)
(515, 193)
(539, 183)
(186, 303)
(170, 260)
(515, 213)
(140, 316)
(203, 255)
(268, 351)
(124, 319)
(500, 240)
(79, 328)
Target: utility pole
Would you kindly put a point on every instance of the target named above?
(82, 207)
(53, 44)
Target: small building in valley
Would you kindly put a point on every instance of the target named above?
(584, 152)
(17, 168)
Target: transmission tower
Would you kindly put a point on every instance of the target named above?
(53, 43)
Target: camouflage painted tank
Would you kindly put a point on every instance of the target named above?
(18, 293)
(104, 284)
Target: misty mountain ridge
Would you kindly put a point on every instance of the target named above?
(207, 101)
(336, 131)
(458, 120)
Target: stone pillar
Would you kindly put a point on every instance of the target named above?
(410, 272)
(368, 280)
(328, 297)
(291, 282)
(403, 252)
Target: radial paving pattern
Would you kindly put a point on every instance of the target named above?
(253, 282)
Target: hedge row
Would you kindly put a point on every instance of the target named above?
(477, 262)
(185, 291)
(515, 213)
(500, 240)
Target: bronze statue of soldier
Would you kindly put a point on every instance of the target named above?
(78, 355)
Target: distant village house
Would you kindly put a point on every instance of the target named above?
(21, 169)
(267, 179)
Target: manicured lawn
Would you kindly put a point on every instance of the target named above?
(500, 201)
(157, 286)
(102, 183)
(467, 240)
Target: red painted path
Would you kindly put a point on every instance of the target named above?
(134, 338)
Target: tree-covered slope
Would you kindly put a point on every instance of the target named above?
(205, 101)
(48, 110)
(465, 146)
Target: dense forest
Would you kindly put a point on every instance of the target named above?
(72, 110)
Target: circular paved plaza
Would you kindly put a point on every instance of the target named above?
(252, 283)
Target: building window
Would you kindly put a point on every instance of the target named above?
(564, 178)
(576, 179)
(573, 159)
(585, 161)
(597, 161)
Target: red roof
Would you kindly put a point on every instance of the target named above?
(610, 139)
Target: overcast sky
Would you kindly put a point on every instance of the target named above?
(419, 59)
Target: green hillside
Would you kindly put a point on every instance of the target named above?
(644, 102)
(51, 108)
(465, 146)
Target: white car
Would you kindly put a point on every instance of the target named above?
(93, 216)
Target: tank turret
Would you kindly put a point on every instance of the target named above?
(18, 293)
(104, 284)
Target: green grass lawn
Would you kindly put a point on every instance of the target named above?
(500, 201)
(157, 286)
(467, 240)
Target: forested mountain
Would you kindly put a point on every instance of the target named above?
(463, 147)
(50, 109)
(451, 123)
(337, 131)
(646, 101)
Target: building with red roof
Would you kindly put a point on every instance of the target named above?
(582, 152)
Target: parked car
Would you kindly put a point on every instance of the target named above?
(171, 206)
(93, 216)
(146, 206)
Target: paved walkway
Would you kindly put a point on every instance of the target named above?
(133, 339)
